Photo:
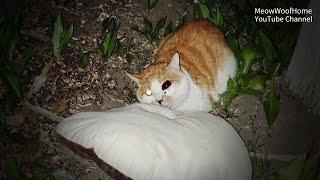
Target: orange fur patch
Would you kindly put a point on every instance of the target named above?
(201, 47)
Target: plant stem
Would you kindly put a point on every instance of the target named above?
(42, 111)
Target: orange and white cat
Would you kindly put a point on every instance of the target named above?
(191, 69)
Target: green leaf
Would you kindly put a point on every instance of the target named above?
(217, 18)
(302, 168)
(266, 44)
(244, 90)
(111, 24)
(61, 37)
(272, 104)
(168, 29)
(209, 3)
(12, 82)
(257, 83)
(39, 176)
(51, 176)
(231, 84)
(10, 101)
(292, 170)
(85, 60)
(29, 54)
(227, 98)
(160, 24)
(57, 34)
(113, 46)
(4, 131)
(203, 11)
(152, 4)
(234, 45)
(147, 25)
(311, 167)
(105, 43)
(18, 137)
(11, 169)
(9, 35)
(248, 55)
(66, 37)
(183, 19)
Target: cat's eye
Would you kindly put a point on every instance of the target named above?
(166, 84)
(148, 93)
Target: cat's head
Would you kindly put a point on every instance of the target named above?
(162, 83)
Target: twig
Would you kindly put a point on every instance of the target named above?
(36, 35)
(279, 157)
(36, 85)
(43, 112)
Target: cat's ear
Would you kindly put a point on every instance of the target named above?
(135, 77)
(174, 64)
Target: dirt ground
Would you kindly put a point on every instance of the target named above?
(100, 86)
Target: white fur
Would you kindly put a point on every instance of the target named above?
(196, 99)
(229, 69)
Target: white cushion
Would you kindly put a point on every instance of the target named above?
(149, 142)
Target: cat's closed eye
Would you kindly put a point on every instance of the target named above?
(166, 84)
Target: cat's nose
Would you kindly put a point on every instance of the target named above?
(160, 102)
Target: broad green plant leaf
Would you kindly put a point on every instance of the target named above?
(257, 83)
(248, 55)
(10, 100)
(57, 34)
(105, 43)
(244, 91)
(85, 60)
(209, 3)
(203, 11)
(11, 169)
(292, 170)
(168, 29)
(152, 4)
(27, 56)
(3, 125)
(266, 44)
(227, 98)
(160, 24)
(9, 31)
(18, 137)
(217, 17)
(231, 84)
(272, 104)
(234, 45)
(111, 24)
(61, 37)
(66, 37)
(147, 25)
(311, 167)
(110, 43)
(12, 82)
(182, 19)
